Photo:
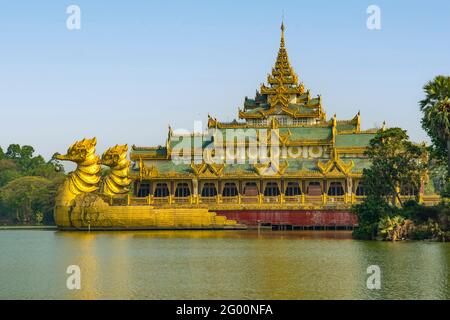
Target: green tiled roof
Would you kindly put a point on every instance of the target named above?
(353, 140)
(294, 166)
(308, 133)
(360, 164)
(346, 126)
(153, 152)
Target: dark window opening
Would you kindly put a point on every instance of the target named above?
(360, 190)
(293, 189)
(209, 190)
(408, 190)
(335, 189)
(271, 189)
(161, 190)
(182, 190)
(229, 190)
(143, 190)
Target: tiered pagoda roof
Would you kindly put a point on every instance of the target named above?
(284, 94)
(342, 141)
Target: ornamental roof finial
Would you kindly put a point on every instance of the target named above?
(282, 32)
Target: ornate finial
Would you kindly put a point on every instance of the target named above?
(282, 33)
(358, 121)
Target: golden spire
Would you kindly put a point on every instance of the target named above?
(283, 81)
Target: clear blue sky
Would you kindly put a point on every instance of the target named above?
(137, 66)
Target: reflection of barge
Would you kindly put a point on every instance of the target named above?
(285, 164)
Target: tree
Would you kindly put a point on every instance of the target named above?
(27, 198)
(13, 151)
(28, 185)
(2, 154)
(436, 115)
(8, 171)
(369, 213)
(396, 162)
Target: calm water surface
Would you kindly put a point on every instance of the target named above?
(218, 265)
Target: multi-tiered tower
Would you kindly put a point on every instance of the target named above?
(306, 170)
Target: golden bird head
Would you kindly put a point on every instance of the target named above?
(114, 155)
(79, 151)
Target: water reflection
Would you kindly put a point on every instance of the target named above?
(218, 265)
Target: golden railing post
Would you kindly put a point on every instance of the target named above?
(149, 199)
(170, 199)
(282, 198)
(239, 198)
(302, 198)
(218, 198)
(260, 198)
(128, 199)
(421, 198)
(324, 198)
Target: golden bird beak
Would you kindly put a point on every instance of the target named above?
(62, 157)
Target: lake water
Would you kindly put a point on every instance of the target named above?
(218, 265)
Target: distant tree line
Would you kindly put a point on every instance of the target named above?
(28, 185)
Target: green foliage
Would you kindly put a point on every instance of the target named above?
(21, 197)
(28, 186)
(394, 228)
(396, 162)
(436, 115)
(369, 214)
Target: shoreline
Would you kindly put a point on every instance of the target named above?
(28, 227)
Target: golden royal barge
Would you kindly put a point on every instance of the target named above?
(284, 165)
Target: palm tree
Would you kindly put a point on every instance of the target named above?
(436, 114)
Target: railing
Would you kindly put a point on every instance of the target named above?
(182, 200)
(234, 199)
(139, 201)
(300, 200)
(161, 200)
(336, 199)
(313, 199)
(213, 199)
(271, 199)
(293, 199)
(431, 199)
(249, 199)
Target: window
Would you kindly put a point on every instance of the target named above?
(360, 190)
(251, 189)
(335, 189)
(161, 190)
(314, 188)
(182, 190)
(230, 190)
(408, 190)
(300, 120)
(293, 189)
(260, 122)
(143, 190)
(209, 190)
(271, 189)
(282, 121)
